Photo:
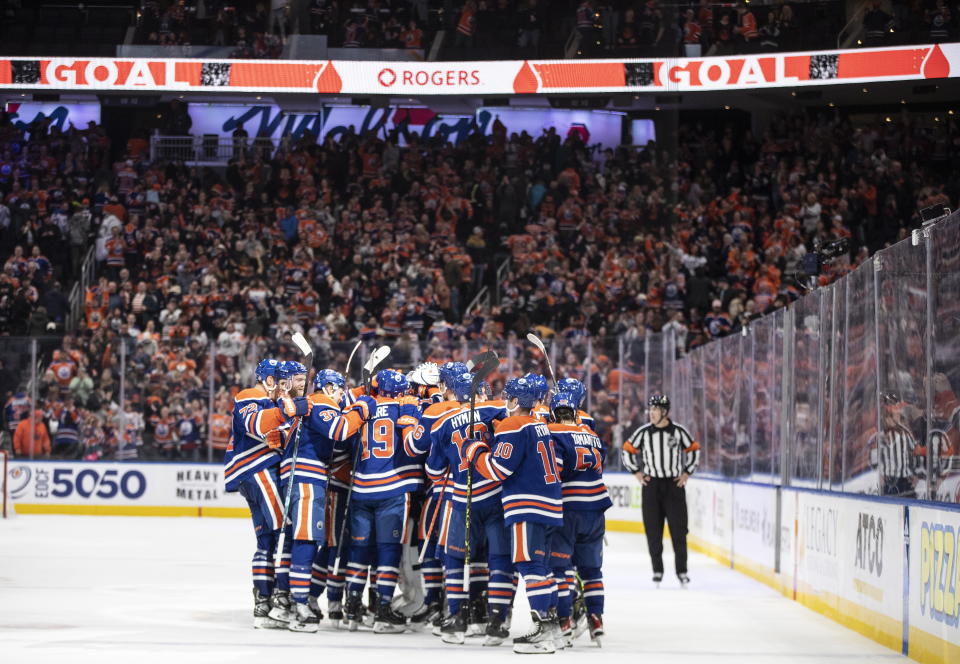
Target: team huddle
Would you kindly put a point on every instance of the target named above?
(429, 494)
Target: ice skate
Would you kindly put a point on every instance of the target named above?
(424, 616)
(261, 613)
(335, 614)
(477, 622)
(314, 604)
(657, 578)
(304, 620)
(684, 580)
(566, 631)
(579, 620)
(596, 628)
(497, 630)
(454, 630)
(539, 640)
(280, 606)
(554, 622)
(353, 612)
(388, 621)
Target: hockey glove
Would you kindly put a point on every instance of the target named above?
(366, 406)
(295, 406)
(473, 448)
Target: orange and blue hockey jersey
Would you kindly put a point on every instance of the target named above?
(447, 436)
(525, 462)
(323, 429)
(384, 469)
(256, 437)
(582, 454)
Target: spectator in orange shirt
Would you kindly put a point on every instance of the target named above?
(40, 445)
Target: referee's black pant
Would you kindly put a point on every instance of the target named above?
(663, 499)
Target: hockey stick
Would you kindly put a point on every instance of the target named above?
(350, 359)
(488, 362)
(373, 362)
(535, 340)
(304, 347)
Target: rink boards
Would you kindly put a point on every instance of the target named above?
(841, 555)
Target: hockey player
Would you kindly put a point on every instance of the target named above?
(541, 410)
(322, 429)
(251, 467)
(579, 543)
(575, 389)
(487, 531)
(524, 461)
(437, 501)
(381, 501)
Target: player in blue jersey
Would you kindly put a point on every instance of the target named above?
(437, 498)
(523, 460)
(321, 431)
(487, 533)
(383, 481)
(576, 389)
(251, 465)
(540, 410)
(578, 545)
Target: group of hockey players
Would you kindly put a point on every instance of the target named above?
(428, 493)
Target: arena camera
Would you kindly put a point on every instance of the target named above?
(812, 264)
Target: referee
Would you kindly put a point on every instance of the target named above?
(899, 452)
(662, 455)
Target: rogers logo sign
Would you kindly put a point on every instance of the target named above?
(430, 77)
(387, 77)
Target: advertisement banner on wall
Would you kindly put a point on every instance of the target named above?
(934, 602)
(401, 78)
(593, 127)
(710, 517)
(121, 488)
(755, 526)
(850, 563)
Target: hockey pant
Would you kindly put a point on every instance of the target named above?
(307, 529)
(261, 491)
(577, 547)
(377, 532)
(490, 569)
(530, 549)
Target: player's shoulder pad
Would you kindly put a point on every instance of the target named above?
(439, 408)
(583, 413)
(250, 394)
(514, 423)
(556, 427)
(447, 415)
(495, 403)
(358, 391)
(586, 428)
(386, 401)
(320, 400)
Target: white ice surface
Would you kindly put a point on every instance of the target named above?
(84, 589)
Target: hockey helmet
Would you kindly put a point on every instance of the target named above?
(563, 401)
(391, 383)
(267, 368)
(574, 388)
(326, 377)
(524, 391)
(461, 385)
(659, 400)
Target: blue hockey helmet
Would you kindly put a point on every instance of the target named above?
(267, 368)
(461, 385)
(563, 401)
(326, 377)
(391, 383)
(288, 369)
(450, 370)
(540, 382)
(574, 388)
(524, 391)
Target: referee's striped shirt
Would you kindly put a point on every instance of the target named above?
(897, 452)
(661, 452)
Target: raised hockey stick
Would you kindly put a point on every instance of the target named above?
(304, 347)
(350, 359)
(535, 340)
(487, 363)
(369, 368)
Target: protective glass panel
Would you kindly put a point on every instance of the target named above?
(804, 450)
(943, 444)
